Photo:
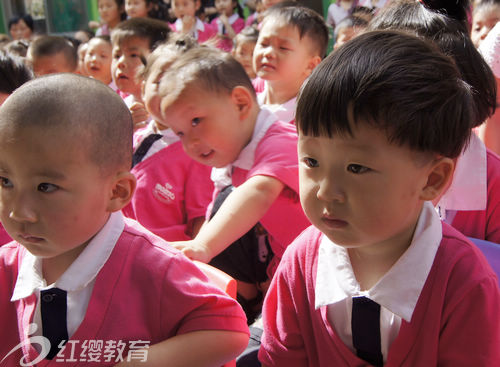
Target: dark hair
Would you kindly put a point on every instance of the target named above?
(453, 39)
(456, 9)
(17, 47)
(25, 17)
(153, 30)
(51, 45)
(13, 72)
(394, 82)
(308, 22)
(207, 68)
(105, 129)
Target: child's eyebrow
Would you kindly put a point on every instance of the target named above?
(50, 174)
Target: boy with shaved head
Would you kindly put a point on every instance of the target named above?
(77, 272)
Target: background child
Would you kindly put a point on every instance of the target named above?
(98, 57)
(111, 12)
(133, 40)
(378, 267)
(188, 23)
(138, 8)
(292, 41)
(21, 27)
(209, 102)
(244, 44)
(74, 248)
(340, 10)
(470, 204)
(229, 23)
(351, 26)
(173, 191)
(485, 16)
(52, 54)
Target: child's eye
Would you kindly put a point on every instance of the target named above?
(180, 134)
(195, 121)
(47, 187)
(310, 162)
(357, 169)
(6, 183)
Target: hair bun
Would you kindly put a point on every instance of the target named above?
(456, 9)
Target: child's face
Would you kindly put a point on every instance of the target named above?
(483, 21)
(53, 200)
(137, 8)
(244, 54)
(52, 64)
(109, 12)
(281, 55)
(98, 60)
(344, 35)
(209, 126)
(185, 7)
(361, 191)
(224, 7)
(126, 63)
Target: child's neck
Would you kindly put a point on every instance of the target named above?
(54, 267)
(278, 93)
(371, 263)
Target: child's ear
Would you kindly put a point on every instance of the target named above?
(313, 62)
(439, 178)
(122, 190)
(243, 100)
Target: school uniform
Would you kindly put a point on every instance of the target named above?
(472, 202)
(142, 290)
(172, 189)
(225, 43)
(439, 303)
(202, 31)
(284, 112)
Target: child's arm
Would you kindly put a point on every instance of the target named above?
(243, 208)
(198, 348)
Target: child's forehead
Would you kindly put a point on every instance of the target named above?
(132, 42)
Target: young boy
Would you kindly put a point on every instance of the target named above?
(208, 101)
(52, 54)
(133, 40)
(244, 44)
(379, 280)
(79, 276)
(292, 42)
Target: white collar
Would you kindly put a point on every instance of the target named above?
(222, 176)
(231, 20)
(284, 112)
(198, 27)
(468, 190)
(399, 289)
(81, 272)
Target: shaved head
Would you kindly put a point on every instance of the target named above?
(80, 108)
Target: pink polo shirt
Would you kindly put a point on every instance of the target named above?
(225, 43)
(172, 190)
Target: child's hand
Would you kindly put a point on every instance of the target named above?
(139, 115)
(223, 18)
(188, 22)
(193, 250)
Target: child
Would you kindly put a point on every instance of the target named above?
(351, 26)
(188, 22)
(133, 40)
(340, 10)
(244, 45)
(173, 191)
(380, 122)
(52, 54)
(209, 102)
(229, 23)
(485, 16)
(98, 58)
(138, 8)
(111, 12)
(292, 41)
(65, 177)
(81, 52)
(470, 204)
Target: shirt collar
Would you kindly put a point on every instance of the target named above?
(199, 26)
(284, 112)
(231, 20)
(81, 272)
(468, 190)
(222, 176)
(399, 289)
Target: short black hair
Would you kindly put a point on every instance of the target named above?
(85, 108)
(394, 82)
(153, 30)
(50, 45)
(453, 39)
(307, 21)
(25, 17)
(13, 72)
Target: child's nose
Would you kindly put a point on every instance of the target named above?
(22, 210)
(329, 190)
